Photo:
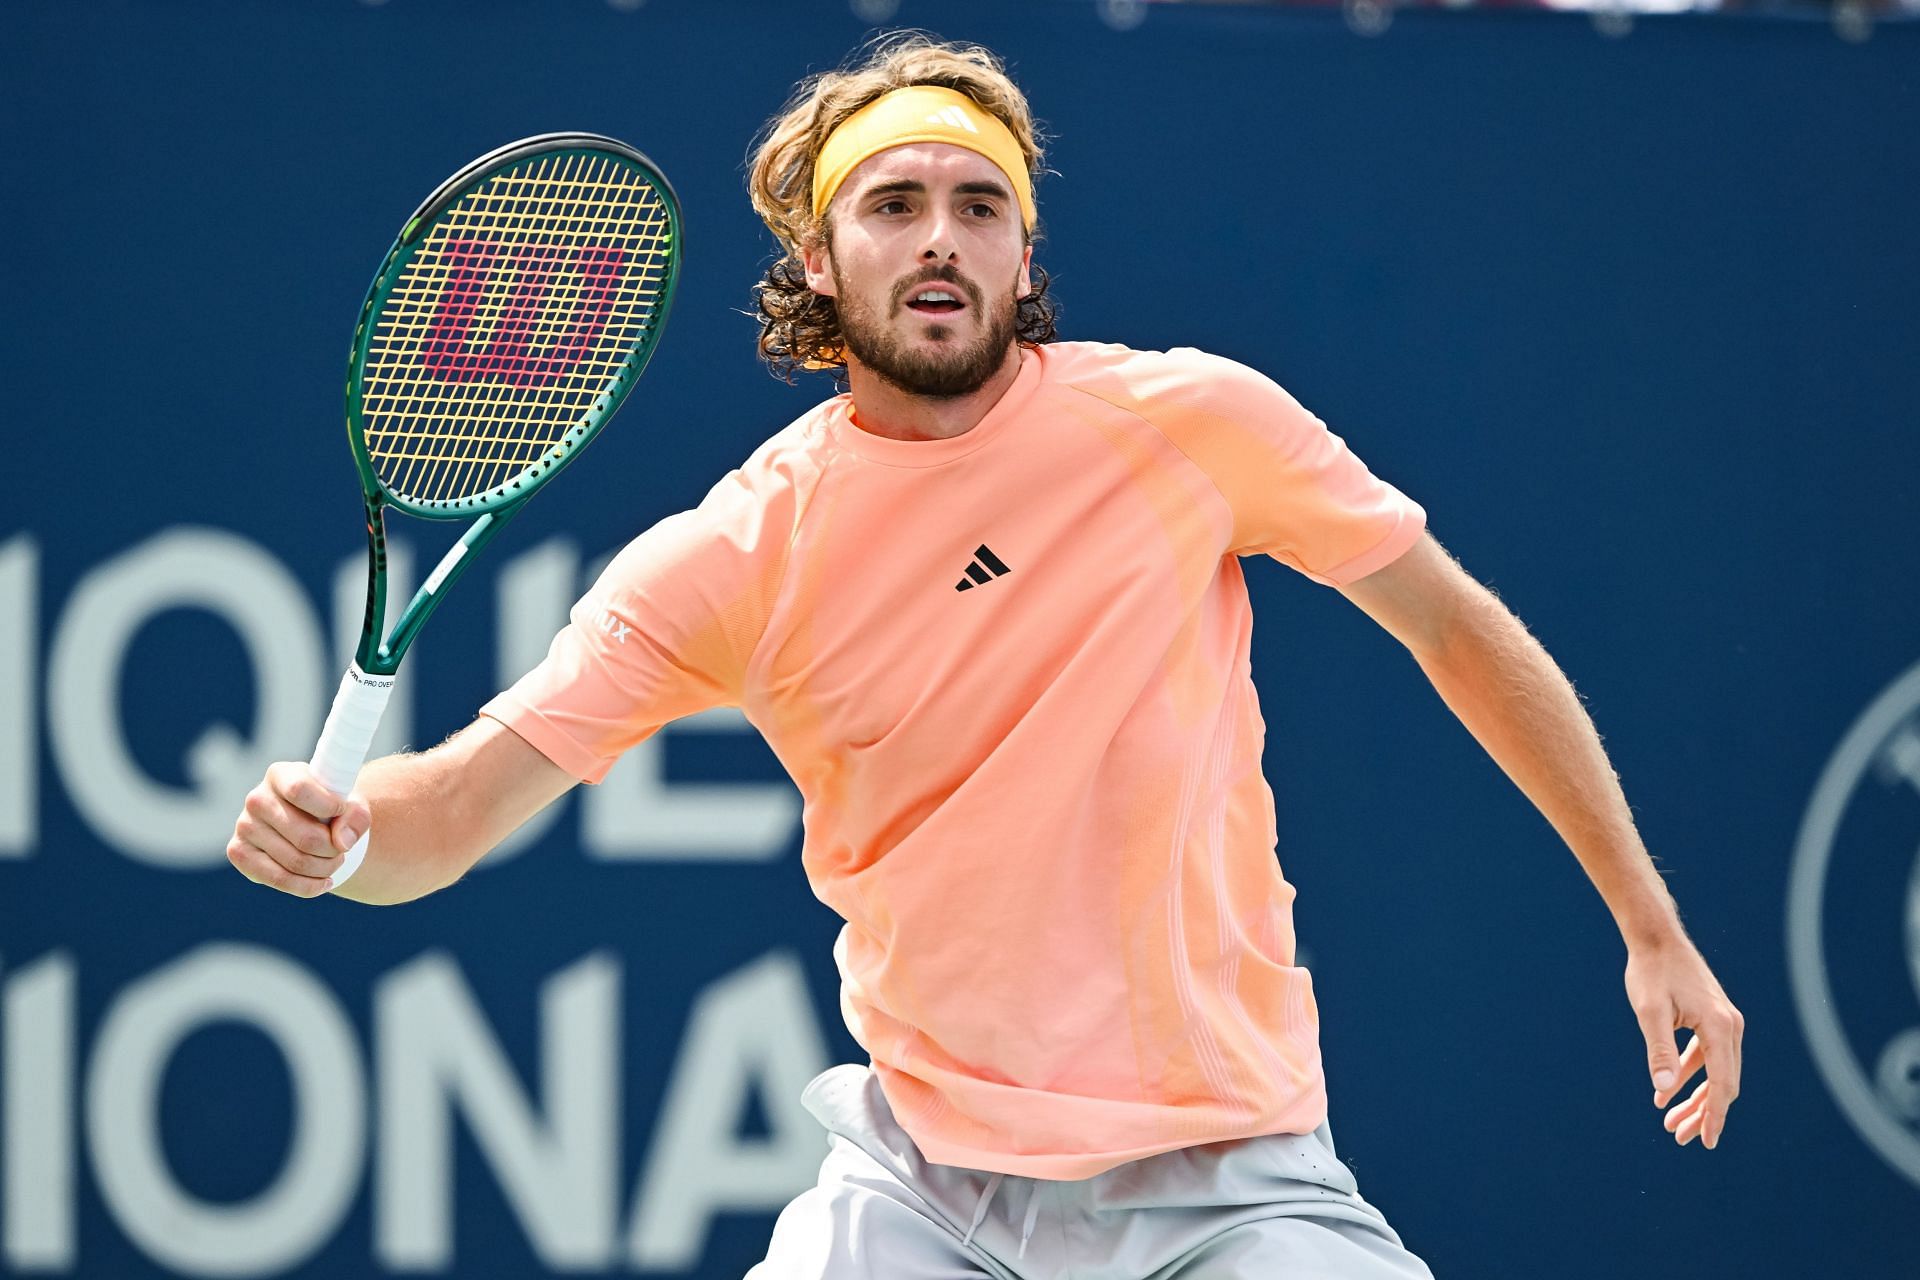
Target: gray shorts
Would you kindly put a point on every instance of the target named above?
(1270, 1207)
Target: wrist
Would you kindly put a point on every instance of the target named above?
(1652, 924)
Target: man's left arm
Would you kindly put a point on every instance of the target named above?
(1502, 685)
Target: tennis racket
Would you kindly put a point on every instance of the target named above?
(506, 326)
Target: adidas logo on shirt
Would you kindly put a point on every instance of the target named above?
(984, 568)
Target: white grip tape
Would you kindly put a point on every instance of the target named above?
(343, 745)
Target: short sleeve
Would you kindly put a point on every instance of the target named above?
(1296, 491)
(667, 631)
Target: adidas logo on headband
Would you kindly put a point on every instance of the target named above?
(953, 118)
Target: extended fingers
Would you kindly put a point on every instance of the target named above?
(1721, 1030)
(1670, 987)
(1693, 1109)
(1716, 1045)
(1685, 1121)
(1692, 1058)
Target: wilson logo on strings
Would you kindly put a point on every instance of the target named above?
(537, 312)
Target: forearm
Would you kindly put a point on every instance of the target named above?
(418, 841)
(1512, 697)
(437, 813)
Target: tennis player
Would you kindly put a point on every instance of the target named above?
(987, 607)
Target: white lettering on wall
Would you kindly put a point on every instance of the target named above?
(19, 686)
(636, 815)
(436, 1053)
(249, 591)
(292, 1218)
(752, 1031)
(36, 1117)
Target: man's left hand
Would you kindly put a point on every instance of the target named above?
(1670, 986)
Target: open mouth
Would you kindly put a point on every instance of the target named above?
(935, 302)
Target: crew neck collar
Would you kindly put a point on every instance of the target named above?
(931, 453)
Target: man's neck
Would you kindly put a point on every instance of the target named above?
(885, 410)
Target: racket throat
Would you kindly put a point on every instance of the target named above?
(372, 655)
(440, 581)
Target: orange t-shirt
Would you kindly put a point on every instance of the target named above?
(1008, 672)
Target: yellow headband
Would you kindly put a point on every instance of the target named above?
(919, 113)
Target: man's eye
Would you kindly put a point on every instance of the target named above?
(894, 206)
(982, 210)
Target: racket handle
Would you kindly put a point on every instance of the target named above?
(343, 745)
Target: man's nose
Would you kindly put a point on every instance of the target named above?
(941, 244)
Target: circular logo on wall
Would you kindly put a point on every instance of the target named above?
(1853, 925)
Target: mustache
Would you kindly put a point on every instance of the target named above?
(937, 275)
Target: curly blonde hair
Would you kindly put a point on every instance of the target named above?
(798, 327)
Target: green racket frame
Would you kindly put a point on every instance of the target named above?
(362, 697)
(499, 505)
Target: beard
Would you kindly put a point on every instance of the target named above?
(949, 371)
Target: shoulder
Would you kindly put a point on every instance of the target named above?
(1227, 418)
(1152, 382)
(795, 455)
(778, 478)
(747, 516)
(1200, 401)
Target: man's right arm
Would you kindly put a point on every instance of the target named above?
(666, 631)
(433, 816)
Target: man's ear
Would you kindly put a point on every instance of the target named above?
(817, 258)
(1024, 285)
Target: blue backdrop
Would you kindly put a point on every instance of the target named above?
(1633, 318)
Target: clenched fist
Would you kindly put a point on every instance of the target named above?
(292, 831)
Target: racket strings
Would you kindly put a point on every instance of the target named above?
(509, 322)
(504, 434)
